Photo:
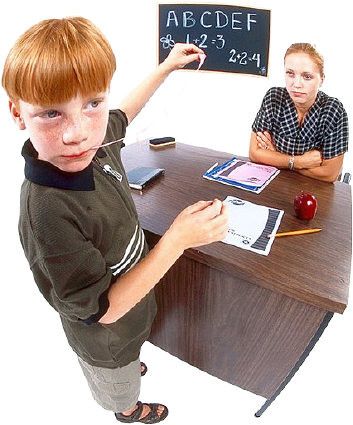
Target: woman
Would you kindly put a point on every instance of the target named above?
(299, 127)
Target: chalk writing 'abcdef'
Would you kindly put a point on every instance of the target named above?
(216, 19)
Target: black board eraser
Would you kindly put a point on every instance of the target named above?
(160, 142)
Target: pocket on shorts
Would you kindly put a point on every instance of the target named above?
(107, 380)
(117, 389)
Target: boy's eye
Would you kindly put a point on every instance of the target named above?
(94, 103)
(50, 114)
(290, 73)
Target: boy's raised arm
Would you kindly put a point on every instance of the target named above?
(179, 56)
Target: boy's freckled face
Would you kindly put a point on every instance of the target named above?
(64, 134)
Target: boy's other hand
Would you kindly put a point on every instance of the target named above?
(181, 55)
(199, 224)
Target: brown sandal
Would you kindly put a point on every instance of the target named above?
(151, 418)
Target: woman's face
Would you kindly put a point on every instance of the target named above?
(303, 79)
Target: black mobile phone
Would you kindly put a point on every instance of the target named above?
(160, 142)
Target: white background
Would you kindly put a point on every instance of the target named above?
(41, 381)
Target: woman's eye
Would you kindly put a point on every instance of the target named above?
(307, 77)
(290, 73)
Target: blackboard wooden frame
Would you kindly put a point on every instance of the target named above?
(235, 38)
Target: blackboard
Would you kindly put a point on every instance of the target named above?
(234, 38)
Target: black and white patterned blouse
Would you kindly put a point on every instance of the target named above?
(325, 126)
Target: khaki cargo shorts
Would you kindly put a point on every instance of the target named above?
(114, 389)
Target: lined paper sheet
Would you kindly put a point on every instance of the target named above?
(250, 224)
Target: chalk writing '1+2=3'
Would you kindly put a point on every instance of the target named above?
(219, 42)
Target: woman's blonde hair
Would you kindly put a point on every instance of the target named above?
(310, 50)
(57, 59)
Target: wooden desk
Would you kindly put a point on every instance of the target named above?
(245, 318)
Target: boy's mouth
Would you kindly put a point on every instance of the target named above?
(78, 155)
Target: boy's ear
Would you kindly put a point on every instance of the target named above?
(15, 113)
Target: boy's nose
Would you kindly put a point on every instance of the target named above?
(74, 133)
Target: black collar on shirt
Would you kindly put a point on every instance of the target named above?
(46, 174)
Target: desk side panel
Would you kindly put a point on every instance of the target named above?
(239, 332)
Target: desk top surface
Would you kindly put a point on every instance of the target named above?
(311, 268)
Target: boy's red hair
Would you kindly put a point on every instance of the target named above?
(57, 59)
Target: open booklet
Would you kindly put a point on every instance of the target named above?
(243, 174)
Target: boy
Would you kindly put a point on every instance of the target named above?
(78, 224)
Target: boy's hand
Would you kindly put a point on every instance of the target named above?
(181, 55)
(199, 224)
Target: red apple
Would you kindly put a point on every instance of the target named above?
(305, 206)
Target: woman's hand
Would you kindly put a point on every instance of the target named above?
(310, 159)
(181, 55)
(265, 141)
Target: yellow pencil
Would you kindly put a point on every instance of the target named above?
(296, 232)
